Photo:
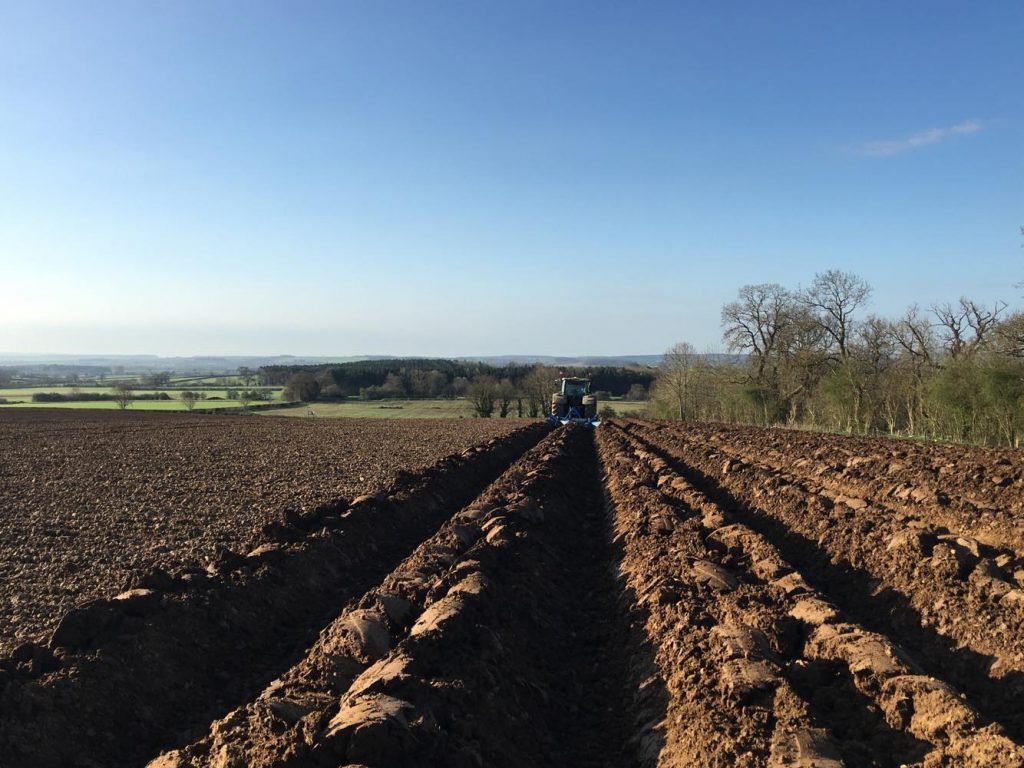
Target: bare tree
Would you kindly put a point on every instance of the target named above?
(913, 333)
(967, 327)
(875, 353)
(676, 376)
(189, 398)
(1009, 335)
(833, 298)
(123, 392)
(637, 392)
(914, 336)
(875, 345)
(505, 395)
(538, 386)
(754, 322)
(483, 394)
(803, 360)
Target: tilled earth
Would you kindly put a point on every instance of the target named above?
(90, 500)
(645, 594)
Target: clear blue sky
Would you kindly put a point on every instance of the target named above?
(482, 177)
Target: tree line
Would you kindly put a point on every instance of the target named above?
(521, 390)
(95, 397)
(812, 357)
(433, 378)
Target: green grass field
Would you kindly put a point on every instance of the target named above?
(137, 405)
(24, 394)
(21, 397)
(28, 391)
(626, 407)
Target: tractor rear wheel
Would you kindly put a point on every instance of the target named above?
(558, 405)
(589, 406)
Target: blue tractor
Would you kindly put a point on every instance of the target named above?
(574, 403)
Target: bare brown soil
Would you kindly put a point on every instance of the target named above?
(980, 491)
(123, 675)
(498, 627)
(92, 500)
(647, 595)
(919, 621)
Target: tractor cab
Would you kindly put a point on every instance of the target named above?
(576, 388)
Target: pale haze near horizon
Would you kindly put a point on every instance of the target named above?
(471, 179)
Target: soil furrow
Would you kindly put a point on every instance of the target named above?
(646, 595)
(977, 492)
(839, 558)
(142, 671)
(881, 710)
(496, 643)
(898, 492)
(716, 653)
(944, 575)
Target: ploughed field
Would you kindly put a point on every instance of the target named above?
(645, 594)
(90, 501)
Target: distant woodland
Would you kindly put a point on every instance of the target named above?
(521, 390)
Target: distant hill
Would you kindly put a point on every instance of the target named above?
(151, 363)
(614, 361)
(212, 364)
